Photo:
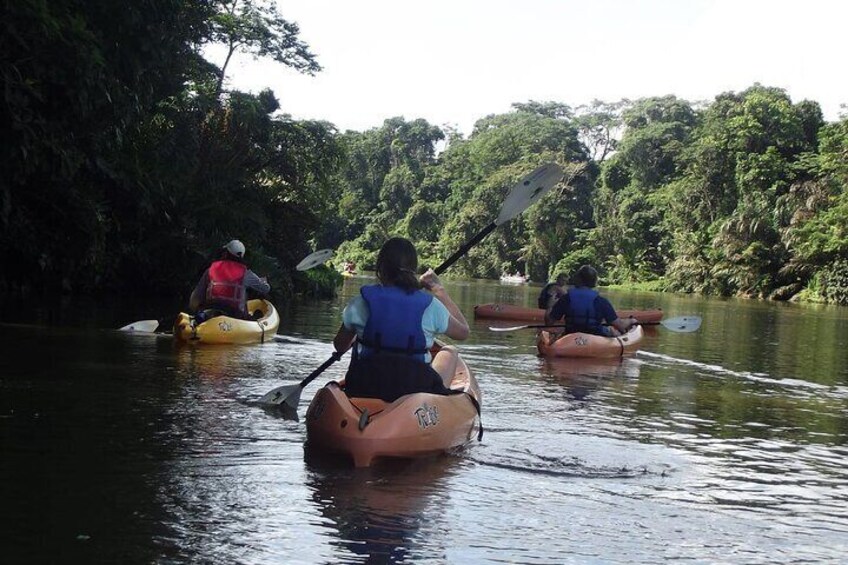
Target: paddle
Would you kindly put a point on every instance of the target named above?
(314, 259)
(141, 326)
(682, 324)
(528, 190)
(308, 262)
(289, 395)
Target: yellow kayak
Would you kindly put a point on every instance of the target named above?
(223, 329)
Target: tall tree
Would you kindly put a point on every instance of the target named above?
(256, 27)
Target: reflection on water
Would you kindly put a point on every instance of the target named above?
(581, 376)
(724, 445)
(386, 514)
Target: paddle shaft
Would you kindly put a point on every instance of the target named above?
(682, 324)
(314, 374)
(464, 249)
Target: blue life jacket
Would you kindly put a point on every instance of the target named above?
(581, 315)
(394, 321)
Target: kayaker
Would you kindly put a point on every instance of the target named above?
(224, 285)
(585, 310)
(552, 292)
(394, 323)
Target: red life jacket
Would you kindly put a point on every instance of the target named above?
(226, 285)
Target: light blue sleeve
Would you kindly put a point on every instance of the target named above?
(435, 320)
(355, 315)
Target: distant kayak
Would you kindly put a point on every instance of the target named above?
(494, 311)
(224, 329)
(415, 425)
(515, 279)
(589, 345)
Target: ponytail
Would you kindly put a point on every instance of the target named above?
(397, 264)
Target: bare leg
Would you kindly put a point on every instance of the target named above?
(445, 363)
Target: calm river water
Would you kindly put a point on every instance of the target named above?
(729, 445)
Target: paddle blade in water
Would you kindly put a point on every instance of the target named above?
(314, 259)
(143, 326)
(529, 190)
(286, 394)
(682, 324)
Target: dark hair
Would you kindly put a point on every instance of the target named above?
(561, 279)
(586, 276)
(397, 264)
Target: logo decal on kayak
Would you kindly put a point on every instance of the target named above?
(224, 326)
(427, 416)
(581, 341)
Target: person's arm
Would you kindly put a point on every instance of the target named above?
(457, 324)
(555, 312)
(198, 295)
(344, 339)
(256, 283)
(354, 316)
(608, 313)
(624, 324)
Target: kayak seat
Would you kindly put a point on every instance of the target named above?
(389, 376)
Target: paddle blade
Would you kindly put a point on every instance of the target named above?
(529, 190)
(682, 324)
(142, 326)
(508, 329)
(314, 259)
(288, 395)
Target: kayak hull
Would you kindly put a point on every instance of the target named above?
(589, 345)
(413, 426)
(495, 311)
(224, 329)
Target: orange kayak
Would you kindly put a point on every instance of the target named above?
(415, 425)
(589, 345)
(522, 313)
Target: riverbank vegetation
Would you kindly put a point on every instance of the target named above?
(128, 162)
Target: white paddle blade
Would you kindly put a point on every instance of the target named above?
(314, 259)
(682, 324)
(509, 329)
(142, 326)
(530, 189)
(286, 394)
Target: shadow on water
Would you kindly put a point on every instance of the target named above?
(385, 513)
(581, 377)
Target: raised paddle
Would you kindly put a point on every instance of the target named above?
(308, 262)
(528, 190)
(682, 324)
(314, 259)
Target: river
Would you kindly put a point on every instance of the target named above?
(727, 445)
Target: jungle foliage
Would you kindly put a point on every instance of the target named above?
(127, 162)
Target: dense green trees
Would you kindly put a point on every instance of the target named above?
(122, 166)
(125, 163)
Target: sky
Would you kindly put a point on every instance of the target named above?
(453, 62)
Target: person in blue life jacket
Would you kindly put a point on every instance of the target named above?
(393, 325)
(552, 292)
(224, 285)
(585, 310)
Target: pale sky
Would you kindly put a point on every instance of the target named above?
(453, 62)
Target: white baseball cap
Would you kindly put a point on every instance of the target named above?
(235, 247)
